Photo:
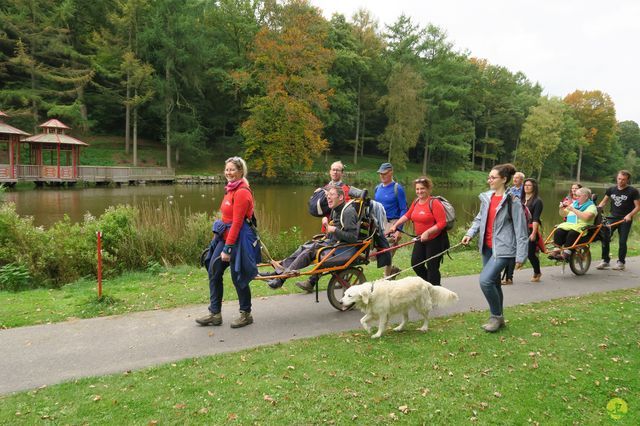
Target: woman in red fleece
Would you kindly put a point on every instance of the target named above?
(429, 220)
(228, 248)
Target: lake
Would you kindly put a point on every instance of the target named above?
(286, 204)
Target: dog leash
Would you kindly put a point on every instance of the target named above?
(420, 263)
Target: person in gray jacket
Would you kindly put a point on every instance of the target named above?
(502, 238)
(342, 228)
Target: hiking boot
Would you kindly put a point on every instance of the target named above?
(275, 283)
(306, 285)
(494, 324)
(245, 318)
(603, 265)
(507, 281)
(393, 271)
(211, 319)
(619, 266)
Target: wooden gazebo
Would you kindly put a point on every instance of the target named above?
(9, 150)
(54, 155)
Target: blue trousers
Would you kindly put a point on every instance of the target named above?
(216, 287)
(490, 280)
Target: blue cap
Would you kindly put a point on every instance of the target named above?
(385, 167)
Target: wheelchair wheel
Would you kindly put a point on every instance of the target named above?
(340, 281)
(580, 260)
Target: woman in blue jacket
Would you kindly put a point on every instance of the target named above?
(503, 237)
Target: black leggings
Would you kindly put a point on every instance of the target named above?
(533, 257)
(424, 250)
(564, 238)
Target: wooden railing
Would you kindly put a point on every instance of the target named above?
(85, 173)
(124, 174)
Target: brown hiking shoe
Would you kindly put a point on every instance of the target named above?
(245, 318)
(211, 319)
(306, 285)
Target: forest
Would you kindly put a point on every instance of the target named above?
(276, 82)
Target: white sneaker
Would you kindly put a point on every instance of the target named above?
(603, 265)
(619, 266)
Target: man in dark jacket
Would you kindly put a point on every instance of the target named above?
(341, 228)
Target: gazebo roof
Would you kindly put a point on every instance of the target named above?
(6, 129)
(53, 123)
(55, 138)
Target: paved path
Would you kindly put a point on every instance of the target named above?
(46, 354)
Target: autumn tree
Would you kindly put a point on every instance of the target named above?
(284, 129)
(595, 112)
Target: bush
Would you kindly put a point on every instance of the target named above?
(14, 277)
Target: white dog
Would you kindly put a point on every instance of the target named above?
(383, 299)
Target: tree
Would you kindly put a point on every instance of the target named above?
(541, 135)
(405, 111)
(284, 128)
(629, 136)
(596, 113)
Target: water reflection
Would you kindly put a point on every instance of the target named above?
(285, 204)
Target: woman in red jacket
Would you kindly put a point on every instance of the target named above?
(429, 220)
(235, 244)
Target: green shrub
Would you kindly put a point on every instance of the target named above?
(14, 277)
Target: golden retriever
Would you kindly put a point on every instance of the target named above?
(383, 299)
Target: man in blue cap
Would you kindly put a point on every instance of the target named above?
(391, 195)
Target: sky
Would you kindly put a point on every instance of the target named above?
(564, 45)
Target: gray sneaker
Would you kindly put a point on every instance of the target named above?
(603, 265)
(494, 324)
(211, 319)
(619, 266)
(245, 318)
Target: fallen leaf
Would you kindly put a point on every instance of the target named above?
(211, 334)
(203, 410)
(97, 398)
(426, 391)
(290, 367)
(393, 416)
(404, 409)
(497, 394)
(152, 422)
(232, 416)
(536, 334)
(180, 406)
(269, 399)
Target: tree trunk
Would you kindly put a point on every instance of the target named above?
(579, 164)
(425, 156)
(473, 146)
(168, 105)
(357, 138)
(34, 104)
(177, 150)
(127, 115)
(484, 148)
(83, 109)
(135, 137)
(364, 120)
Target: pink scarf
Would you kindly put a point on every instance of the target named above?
(232, 186)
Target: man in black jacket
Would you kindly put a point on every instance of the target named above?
(342, 227)
(625, 203)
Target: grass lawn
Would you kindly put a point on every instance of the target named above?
(557, 362)
(185, 285)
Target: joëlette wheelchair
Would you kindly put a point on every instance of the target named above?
(579, 252)
(348, 272)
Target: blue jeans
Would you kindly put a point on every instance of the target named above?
(490, 279)
(216, 287)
